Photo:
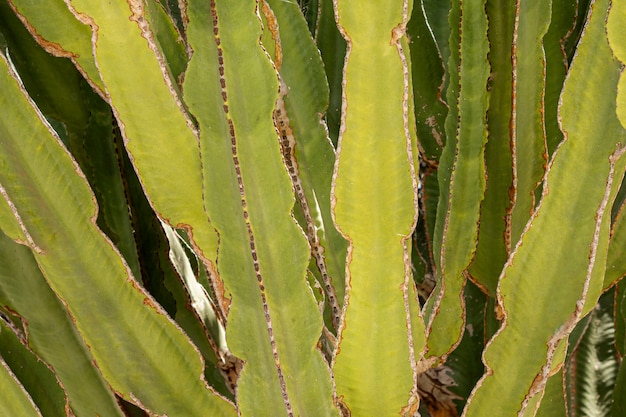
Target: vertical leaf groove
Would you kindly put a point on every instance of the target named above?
(244, 206)
(288, 145)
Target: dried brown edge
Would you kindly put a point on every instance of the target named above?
(228, 365)
(508, 216)
(513, 135)
(272, 24)
(55, 49)
(217, 286)
(397, 34)
(138, 17)
(500, 309)
(288, 145)
(339, 400)
(52, 48)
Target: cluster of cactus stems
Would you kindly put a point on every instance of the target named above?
(312, 208)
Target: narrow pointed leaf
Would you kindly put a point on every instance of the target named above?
(99, 151)
(516, 151)
(62, 94)
(170, 41)
(461, 171)
(529, 143)
(494, 241)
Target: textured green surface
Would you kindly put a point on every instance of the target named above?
(616, 33)
(58, 218)
(461, 172)
(528, 142)
(494, 241)
(427, 74)
(540, 262)
(306, 101)
(615, 267)
(15, 401)
(24, 289)
(231, 88)
(157, 132)
(373, 364)
(220, 181)
(34, 375)
(553, 403)
(61, 33)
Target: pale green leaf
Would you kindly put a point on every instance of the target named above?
(15, 400)
(374, 192)
(125, 328)
(563, 248)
